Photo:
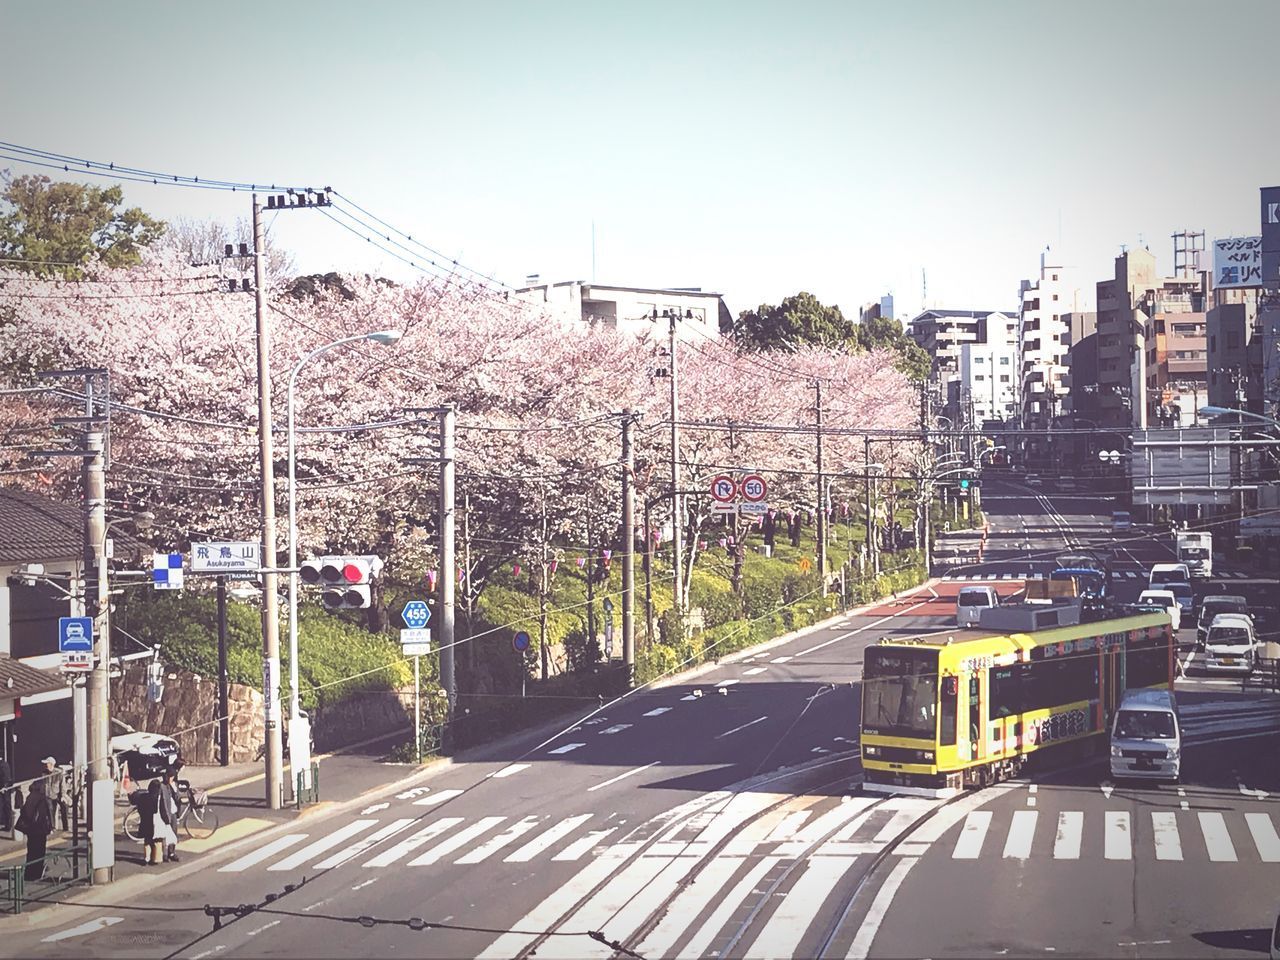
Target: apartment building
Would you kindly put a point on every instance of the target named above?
(1043, 338)
(988, 381)
(944, 335)
(631, 309)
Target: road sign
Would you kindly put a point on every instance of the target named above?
(520, 641)
(77, 662)
(753, 488)
(235, 558)
(608, 605)
(753, 509)
(805, 564)
(415, 642)
(723, 489)
(725, 507)
(416, 614)
(166, 571)
(75, 634)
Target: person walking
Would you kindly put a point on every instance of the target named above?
(158, 815)
(36, 821)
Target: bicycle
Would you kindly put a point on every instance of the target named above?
(196, 817)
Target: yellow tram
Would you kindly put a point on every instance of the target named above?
(967, 708)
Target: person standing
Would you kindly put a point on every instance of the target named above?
(169, 812)
(6, 795)
(36, 821)
(55, 787)
(152, 826)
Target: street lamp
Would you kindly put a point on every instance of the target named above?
(1212, 411)
(380, 336)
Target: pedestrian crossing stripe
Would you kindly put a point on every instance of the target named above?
(1040, 575)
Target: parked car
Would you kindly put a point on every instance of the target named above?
(148, 754)
(1230, 646)
(1146, 737)
(971, 601)
(1214, 605)
(1167, 601)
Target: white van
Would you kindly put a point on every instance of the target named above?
(1163, 574)
(1146, 737)
(1167, 601)
(1230, 646)
(971, 601)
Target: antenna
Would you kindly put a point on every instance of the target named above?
(924, 290)
(593, 251)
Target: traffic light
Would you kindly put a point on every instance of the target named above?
(964, 483)
(345, 581)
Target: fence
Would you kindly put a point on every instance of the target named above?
(1265, 675)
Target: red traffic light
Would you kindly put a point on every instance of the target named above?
(353, 572)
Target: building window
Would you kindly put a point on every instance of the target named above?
(979, 377)
(1055, 276)
(1004, 378)
(979, 359)
(1055, 296)
(1004, 361)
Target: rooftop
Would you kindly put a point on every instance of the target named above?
(35, 528)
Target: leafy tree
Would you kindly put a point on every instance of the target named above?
(801, 320)
(55, 225)
(887, 334)
(204, 241)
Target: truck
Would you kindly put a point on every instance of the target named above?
(1195, 549)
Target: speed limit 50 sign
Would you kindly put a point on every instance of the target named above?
(753, 488)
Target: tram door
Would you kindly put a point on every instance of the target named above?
(1113, 664)
(976, 746)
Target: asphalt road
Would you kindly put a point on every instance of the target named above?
(722, 816)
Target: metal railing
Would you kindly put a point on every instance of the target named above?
(1265, 675)
(61, 867)
(303, 793)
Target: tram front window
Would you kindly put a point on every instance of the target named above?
(900, 693)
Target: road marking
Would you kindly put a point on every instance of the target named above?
(743, 727)
(582, 845)
(781, 659)
(1066, 845)
(1216, 837)
(510, 770)
(1017, 846)
(869, 626)
(1164, 828)
(726, 683)
(545, 839)
(232, 831)
(658, 711)
(364, 883)
(622, 776)
(754, 671)
(870, 925)
(826, 823)
(1250, 792)
(91, 926)
(313, 850)
(435, 798)
(1116, 839)
(783, 930)
(415, 792)
(494, 844)
(567, 748)
(265, 926)
(1107, 788)
(897, 823)
(727, 907)
(364, 843)
(969, 846)
(616, 728)
(789, 825)
(446, 847)
(690, 903)
(374, 808)
(948, 816)
(262, 853)
(1264, 836)
(411, 843)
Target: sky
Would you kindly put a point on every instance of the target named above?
(755, 149)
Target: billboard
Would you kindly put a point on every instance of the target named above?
(1271, 237)
(1237, 262)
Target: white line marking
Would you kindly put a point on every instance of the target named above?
(415, 792)
(510, 769)
(567, 748)
(312, 850)
(494, 844)
(582, 845)
(782, 659)
(364, 843)
(374, 808)
(1115, 839)
(1164, 830)
(91, 926)
(621, 776)
(1216, 837)
(790, 919)
(788, 827)
(726, 683)
(411, 843)
(727, 907)
(262, 853)
(265, 926)
(616, 728)
(754, 671)
(690, 903)
(446, 847)
(1017, 846)
(658, 711)
(969, 846)
(869, 626)
(364, 883)
(545, 839)
(743, 727)
(1264, 836)
(861, 946)
(435, 798)
(1066, 845)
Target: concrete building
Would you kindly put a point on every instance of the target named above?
(1235, 350)
(631, 309)
(1119, 332)
(943, 334)
(988, 381)
(883, 309)
(1043, 338)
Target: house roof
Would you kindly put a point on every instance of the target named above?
(17, 679)
(35, 528)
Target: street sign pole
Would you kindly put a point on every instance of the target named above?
(417, 709)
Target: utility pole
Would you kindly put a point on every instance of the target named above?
(448, 565)
(873, 557)
(273, 780)
(544, 653)
(466, 573)
(591, 574)
(628, 549)
(677, 514)
(224, 679)
(822, 496)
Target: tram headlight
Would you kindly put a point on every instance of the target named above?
(925, 755)
(871, 751)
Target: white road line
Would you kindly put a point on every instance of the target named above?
(1017, 845)
(622, 776)
(1216, 837)
(823, 825)
(897, 823)
(869, 626)
(781, 659)
(494, 844)
(435, 798)
(969, 846)
(91, 926)
(1164, 830)
(788, 827)
(743, 727)
(947, 817)
(726, 683)
(511, 769)
(658, 711)
(582, 845)
(754, 671)
(602, 908)
(263, 853)
(870, 926)
(567, 748)
(411, 843)
(1264, 836)
(697, 946)
(1116, 841)
(616, 728)
(364, 843)
(790, 919)
(313, 850)
(545, 839)
(690, 903)
(446, 847)
(1066, 845)
(265, 926)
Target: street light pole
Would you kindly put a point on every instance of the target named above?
(677, 532)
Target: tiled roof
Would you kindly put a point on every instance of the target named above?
(17, 679)
(35, 528)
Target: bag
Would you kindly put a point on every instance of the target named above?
(23, 825)
(138, 798)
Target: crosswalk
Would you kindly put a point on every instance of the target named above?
(856, 826)
(1030, 574)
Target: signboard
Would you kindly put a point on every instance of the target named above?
(1237, 262)
(166, 571)
(520, 641)
(1271, 236)
(75, 643)
(416, 614)
(235, 558)
(415, 641)
(1188, 466)
(753, 488)
(271, 690)
(723, 489)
